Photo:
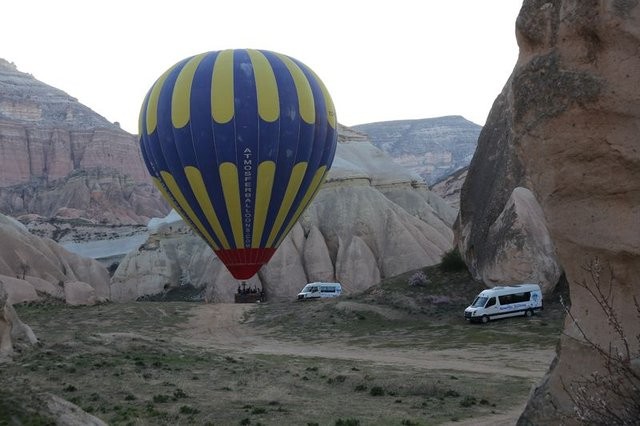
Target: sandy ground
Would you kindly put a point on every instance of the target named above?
(222, 326)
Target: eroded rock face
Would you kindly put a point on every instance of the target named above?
(578, 140)
(11, 328)
(431, 147)
(450, 186)
(56, 154)
(501, 232)
(29, 264)
(525, 252)
(371, 219)
(566, 127)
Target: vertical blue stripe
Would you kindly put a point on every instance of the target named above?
(289, 126)
(319, 139)
(204, 140)
(168, 147)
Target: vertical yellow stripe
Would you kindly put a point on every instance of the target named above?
(231, 191)
(141, 123)
(152, 103)
(328, 102)
(266, 87)
(306, 105)
(202, 196)
(313, 189)
(222, 101)
(169, 198)
(173, 188)
(292, 190)
(266, 172)
(180, 99)
(175, 206)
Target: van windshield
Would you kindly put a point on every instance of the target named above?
(479, 302)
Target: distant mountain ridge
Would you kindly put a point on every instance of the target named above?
(25, 99)
(432, 147)
(60, 158)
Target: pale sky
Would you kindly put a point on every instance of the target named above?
(380, 60)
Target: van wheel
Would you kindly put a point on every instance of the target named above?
(528, 313)
(484, 319)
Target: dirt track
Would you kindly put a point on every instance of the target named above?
(222, 326)
(166, 363)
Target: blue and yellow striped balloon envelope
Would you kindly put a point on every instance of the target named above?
(239, 142)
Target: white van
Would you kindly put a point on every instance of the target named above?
(503, 302)
(320, 290)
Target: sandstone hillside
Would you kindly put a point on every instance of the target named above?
(32, 268)
(59, 158)
(448, 188)
(433, 147)
(560, 149)
(372, 219)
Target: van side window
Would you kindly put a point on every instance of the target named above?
(505, 299)
(491, 302)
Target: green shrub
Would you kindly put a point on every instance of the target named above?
(452, 261)
(160, 398)
(185, 409)
(348, 422)
(376, 391)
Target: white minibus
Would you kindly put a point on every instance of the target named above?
(503, 302)
(320, 290)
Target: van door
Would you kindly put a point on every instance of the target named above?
(490, 308)
(315, 292)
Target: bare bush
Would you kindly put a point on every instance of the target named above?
(419, 279)
(612, 396)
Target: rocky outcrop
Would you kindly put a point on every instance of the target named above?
(449, 187)
(566, 127)
(11, 328)
(371, 219)
(431, 148)
(32, 268)
(492, 227)
(523, 250)
(55, 153)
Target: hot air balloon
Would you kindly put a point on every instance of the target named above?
(239, 142)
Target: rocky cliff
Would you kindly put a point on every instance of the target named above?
(32, 268)
(501, 231)
(432, 148)
(566, 127)
(449, 187)
(371, 219)
(55, 153)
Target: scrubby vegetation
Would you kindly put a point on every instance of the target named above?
(452, 261)
(133, 363)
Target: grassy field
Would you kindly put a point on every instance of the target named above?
(131, 364)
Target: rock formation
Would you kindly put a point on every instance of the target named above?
(56, 154)
(11, 328)
(372, 219)
(432, 148)
(449, 187)
(501, 241)
(566, 127)
(33, 267)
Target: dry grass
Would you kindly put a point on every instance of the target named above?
(135, 364)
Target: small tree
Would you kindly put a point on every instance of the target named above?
(614, 397)
(452, 261)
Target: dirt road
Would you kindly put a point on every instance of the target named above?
(222, 326)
